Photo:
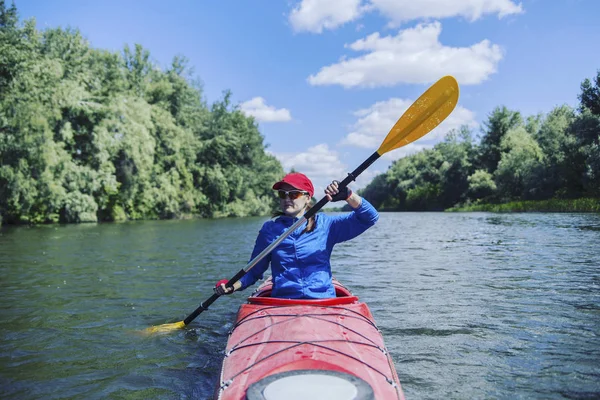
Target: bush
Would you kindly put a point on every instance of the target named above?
(79, 207)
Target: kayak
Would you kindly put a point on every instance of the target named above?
(306, 349)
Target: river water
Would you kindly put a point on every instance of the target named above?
(471, 305)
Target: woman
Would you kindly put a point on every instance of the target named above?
(300, 264)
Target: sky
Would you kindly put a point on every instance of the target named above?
(327, 79)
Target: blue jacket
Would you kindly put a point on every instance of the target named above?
(300, 264)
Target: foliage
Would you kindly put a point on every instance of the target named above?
(590, 95)
(499, 122)
(542, 157)
(89, 135)
(521, 159)
(481, 185)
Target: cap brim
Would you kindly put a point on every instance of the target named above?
(278, 185)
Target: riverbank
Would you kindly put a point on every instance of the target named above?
(591, 205)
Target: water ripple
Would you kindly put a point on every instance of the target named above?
(472, 305)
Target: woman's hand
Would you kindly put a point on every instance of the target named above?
(221, 288)
(335, 194)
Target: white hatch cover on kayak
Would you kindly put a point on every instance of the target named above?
(310, 384)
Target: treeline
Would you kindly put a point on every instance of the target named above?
(93, 135)
(554, 156)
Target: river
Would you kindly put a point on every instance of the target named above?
(471, 305)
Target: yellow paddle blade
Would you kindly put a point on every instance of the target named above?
(427, 112)
(165, 328)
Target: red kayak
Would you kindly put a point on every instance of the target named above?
(306, 349)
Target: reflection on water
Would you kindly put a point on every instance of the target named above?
(471, 305)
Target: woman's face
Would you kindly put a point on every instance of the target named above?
(293, 208)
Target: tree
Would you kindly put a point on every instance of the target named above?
(457, 151)
(89, 135)
(12, 45)
(520, 165)
(585, 130)
(499, 122)
(481, 185)
(138, 68)
(557, 144)
(590, 95)
(377, 191)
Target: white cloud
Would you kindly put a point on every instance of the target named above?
(375, 122)
(317, 161)
(414, 55)
(398, 11)
(257, 108)
(316, 15)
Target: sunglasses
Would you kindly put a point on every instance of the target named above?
(292, 194)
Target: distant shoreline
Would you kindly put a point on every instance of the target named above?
(583, 205)
(586, 205)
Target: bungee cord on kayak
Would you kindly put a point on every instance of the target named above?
(315, 316)
(294, 343)
(275, 342)
(225, 384)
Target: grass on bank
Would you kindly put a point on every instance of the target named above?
(551, 205)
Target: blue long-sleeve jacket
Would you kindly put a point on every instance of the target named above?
(300, 264)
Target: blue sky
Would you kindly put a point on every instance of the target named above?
(327, 79)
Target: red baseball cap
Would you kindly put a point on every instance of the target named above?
(297, 180)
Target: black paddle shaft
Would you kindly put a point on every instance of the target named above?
(351, 177)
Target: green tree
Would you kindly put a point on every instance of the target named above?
(138, 68)
(520, 165)
(586, 131)
(557, 144)
(457, 151)
(481, 185)
(378, 192)
(499, 122)
(13, 46)
(87, 135)
(590, 95)
(234, 154)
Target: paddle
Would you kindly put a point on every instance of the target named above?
(427, 112)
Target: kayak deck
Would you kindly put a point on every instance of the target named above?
(307, 343)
